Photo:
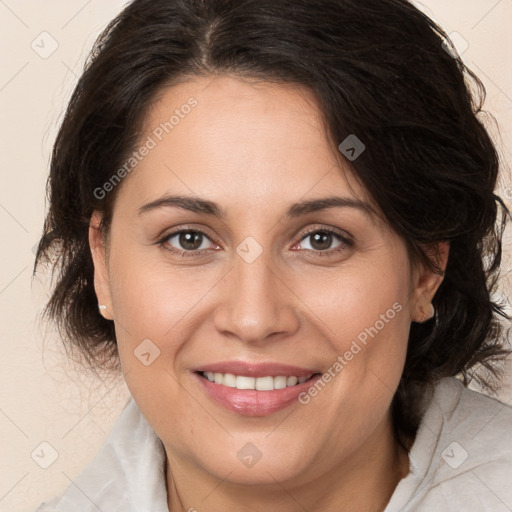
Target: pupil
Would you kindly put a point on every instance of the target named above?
(190, 240)
(321, 240)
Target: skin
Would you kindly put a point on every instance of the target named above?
(254, 149)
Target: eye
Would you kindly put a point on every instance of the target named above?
(193, 242)
(187, 242)
(320, 241)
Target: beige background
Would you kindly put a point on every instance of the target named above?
(43, 398)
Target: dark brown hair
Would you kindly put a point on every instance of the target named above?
(379, 70)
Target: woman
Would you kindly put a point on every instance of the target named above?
(278, 221)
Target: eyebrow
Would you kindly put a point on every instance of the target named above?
(197, 205)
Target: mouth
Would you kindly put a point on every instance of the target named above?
(265, 383)
(254, 390)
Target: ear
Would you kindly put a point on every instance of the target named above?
(427, 282)
(99, 257)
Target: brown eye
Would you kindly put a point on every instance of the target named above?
(321, 240)
(324, 240)
(190, 240)
(187, 242)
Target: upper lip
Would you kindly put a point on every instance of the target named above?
(256, 369)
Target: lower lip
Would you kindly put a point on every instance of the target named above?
(251, 402)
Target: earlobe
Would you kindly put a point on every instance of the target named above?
(99, 258)
(424, 313)
(428, 282)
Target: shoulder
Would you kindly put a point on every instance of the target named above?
(470, 465)
(126, 475)
(477, 427)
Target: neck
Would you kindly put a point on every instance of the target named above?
(365, 482)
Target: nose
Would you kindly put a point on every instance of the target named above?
(257, 305)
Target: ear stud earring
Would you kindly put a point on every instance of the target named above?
(104, 312)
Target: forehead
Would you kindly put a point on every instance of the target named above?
(238, 142)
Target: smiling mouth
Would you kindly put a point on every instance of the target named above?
(266, 383)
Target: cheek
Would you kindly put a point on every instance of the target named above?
(156, 309)
(360, 297)
(363, 310)
(154, 306)
(152, 299)
(363, 313)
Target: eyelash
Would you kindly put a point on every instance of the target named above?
(345, 241)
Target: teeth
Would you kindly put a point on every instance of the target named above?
(243, 382)
(279, 382)
(268, 383)
(262, 383)
(291, 381)
(229, 380)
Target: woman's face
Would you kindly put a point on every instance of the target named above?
(282, 270)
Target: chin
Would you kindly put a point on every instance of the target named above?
(246, 462)
(262, 473)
